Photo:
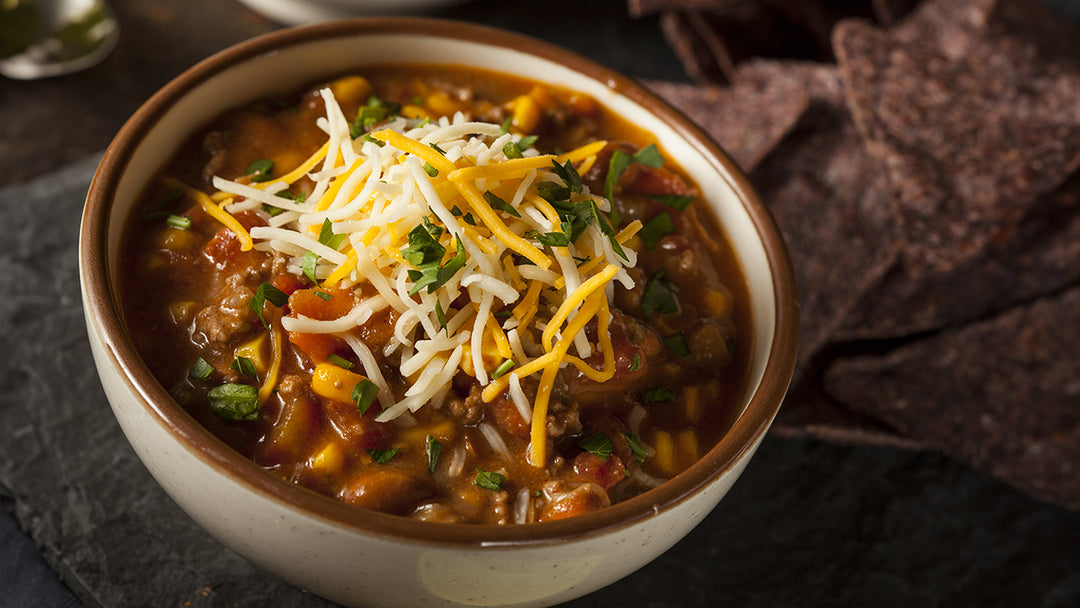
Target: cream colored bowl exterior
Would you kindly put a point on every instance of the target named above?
(356, 558)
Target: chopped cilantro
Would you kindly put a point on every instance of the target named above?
(363, 394)
(498, 203)
(234, 402)
(440, 314)
(264, 293)
(309, 264)
(382, 456)
(327, 236)
(434, 449)
(340, 361)
(597, 444)
(260, 170)
(659, 296)
(489, 480)
(201, 370)
(636, 447)
(677, 201)
(322, 295)
(677, 342)
(648, 156)
(657, 228)
(245, 366)
(658, 393)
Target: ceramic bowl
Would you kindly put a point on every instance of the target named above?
(357, 557)
(296, 12)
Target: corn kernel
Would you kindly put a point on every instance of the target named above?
(176, 239)
(329, 460)
(490, 355)
(692, 401)
(718, 302)
(351, 90)
(333, 382)
(526, 113)
(444, 432)
(414, 111)
(688, 446)
(441, 104)
(254, 349)
(664, 459)
(181, 312)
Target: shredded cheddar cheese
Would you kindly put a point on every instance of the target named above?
(428, 211)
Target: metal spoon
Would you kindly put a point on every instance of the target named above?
(43, 38)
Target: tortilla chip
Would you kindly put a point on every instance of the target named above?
(972, 129)
(829, 199)
(749, 118)
(1001, 395)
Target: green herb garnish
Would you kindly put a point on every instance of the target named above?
(677, 342)
(505, 366)
(382, 456)
(498, 203)
(658, 393)
(434, 449)
(657, 228)
(340, 361)
(598, 445)
(489, 480)
(260, 170)
(648, 156)
(201, 370)
(234, 402)
(659, 296)
(178, 221)
(263, 294)
(309, 265)
(245, 367)
(676, 201)
(636, 447)
(635, 363)
(364, 394)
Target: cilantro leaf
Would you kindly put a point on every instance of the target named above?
(234, 402)
(657, 228)
(489, 480)
(658, 393)
(597, 444)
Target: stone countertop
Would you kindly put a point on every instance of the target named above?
(810, 523)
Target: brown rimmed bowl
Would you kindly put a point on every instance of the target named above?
(358, 557)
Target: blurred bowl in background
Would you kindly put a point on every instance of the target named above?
(295, 12)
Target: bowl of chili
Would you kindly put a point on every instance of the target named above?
(537, 349)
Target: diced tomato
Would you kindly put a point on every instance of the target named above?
(309, 303)
(659, 181)
(288, 283)
(318, 347)
(604, 473)
(360, 431)
(507, 416)
(583, 499)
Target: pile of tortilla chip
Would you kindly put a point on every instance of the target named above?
(923, 163)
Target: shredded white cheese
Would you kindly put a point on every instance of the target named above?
(486, 233)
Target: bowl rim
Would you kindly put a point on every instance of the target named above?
(108, 324)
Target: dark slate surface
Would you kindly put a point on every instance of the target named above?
(809, 524)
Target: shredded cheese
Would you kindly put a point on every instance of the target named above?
(426, 212)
